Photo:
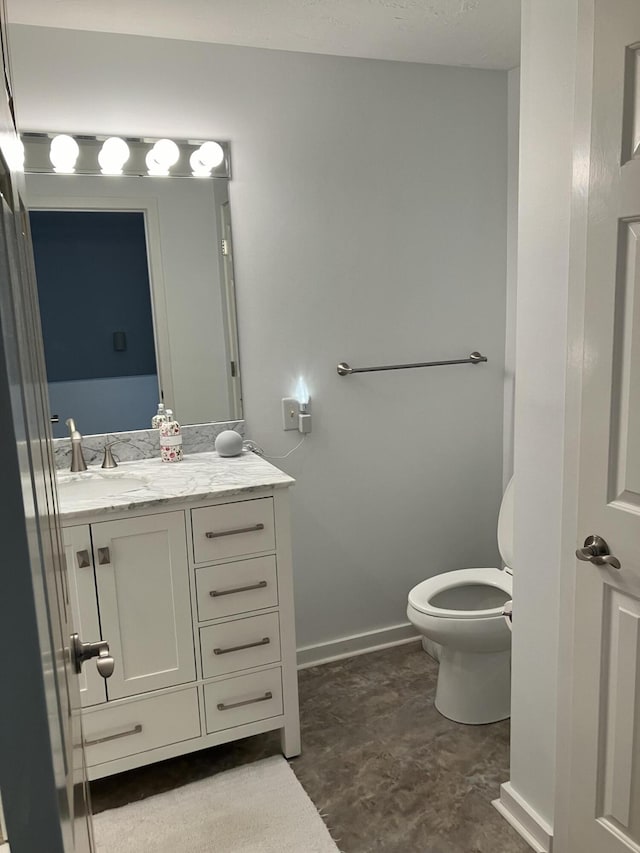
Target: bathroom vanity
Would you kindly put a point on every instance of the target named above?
(185, 570)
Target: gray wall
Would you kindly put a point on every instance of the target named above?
(369, 211)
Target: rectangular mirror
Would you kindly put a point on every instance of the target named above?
(136, 287)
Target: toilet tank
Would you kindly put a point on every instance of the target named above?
(505, 526)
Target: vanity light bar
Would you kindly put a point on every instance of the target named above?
(80, 154)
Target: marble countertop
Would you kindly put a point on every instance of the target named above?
(199, 477)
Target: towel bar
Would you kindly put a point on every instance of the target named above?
(345, 370)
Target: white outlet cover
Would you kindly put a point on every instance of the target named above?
(290, 412)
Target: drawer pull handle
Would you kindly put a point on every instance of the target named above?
(213, 534)
(222, 707)
(216, 593)
(263, 642)
(134, 731)
(104, 557)
(83, 559)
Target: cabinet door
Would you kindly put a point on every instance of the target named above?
(84, 607)
(142, 578)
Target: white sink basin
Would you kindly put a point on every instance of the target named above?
(93, 485)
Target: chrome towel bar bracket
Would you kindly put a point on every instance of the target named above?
(345, 370)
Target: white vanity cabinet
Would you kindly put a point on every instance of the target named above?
(130, 582)
(142, 581)
(196, 603)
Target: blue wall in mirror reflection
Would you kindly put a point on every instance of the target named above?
(93, 286)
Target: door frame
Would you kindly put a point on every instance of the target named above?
(577, 29)
(554, 160)
(570, 534)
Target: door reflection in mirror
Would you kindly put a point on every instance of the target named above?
(95, 302)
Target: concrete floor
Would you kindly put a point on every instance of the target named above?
(388, 771)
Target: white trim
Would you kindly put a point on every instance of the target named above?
(513, 141)
(357, 644)
(3, 831)
(524, 819)
(566, 714)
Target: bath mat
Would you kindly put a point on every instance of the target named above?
(257, 808)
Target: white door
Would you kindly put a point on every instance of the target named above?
(605, 741)
(142, 576)
(42, 771)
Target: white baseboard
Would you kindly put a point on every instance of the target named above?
(357, 644)
(525, 820)
(4, 847)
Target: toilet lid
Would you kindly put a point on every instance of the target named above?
(505, 526)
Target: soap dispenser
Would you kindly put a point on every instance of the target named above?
(159, 417)
(170, 439)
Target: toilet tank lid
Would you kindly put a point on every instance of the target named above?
(505, 526)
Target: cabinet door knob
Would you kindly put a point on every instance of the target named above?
(104, 557)
(83, 559)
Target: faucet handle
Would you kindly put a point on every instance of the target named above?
(108, 460)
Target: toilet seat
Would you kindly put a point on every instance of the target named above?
(421, 596)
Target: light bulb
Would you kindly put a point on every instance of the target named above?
(63, 153)
(206, 158)
(164, 154)
(113, 155)
(304, 406)
(15, 154)
(153, 167)
(302, 392)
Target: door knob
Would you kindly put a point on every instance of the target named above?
(105, 663)
(596, 551)
(81, 652)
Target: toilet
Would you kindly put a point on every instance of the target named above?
(461, 612)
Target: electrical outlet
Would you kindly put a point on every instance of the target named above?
(290, 412)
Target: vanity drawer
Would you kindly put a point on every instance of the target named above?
(234, 588)
(240, 644)
(115, 732)
(233, 530)
(244, 699)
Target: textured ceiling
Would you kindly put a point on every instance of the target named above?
(478, 33)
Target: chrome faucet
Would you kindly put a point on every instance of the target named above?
(77, 458)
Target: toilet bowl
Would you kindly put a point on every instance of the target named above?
(461, 611)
